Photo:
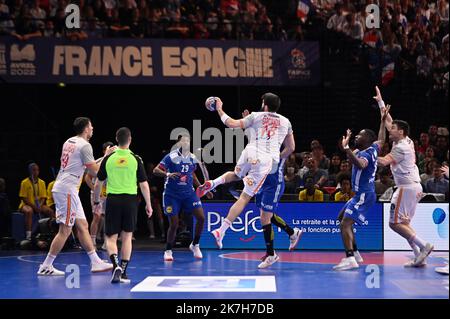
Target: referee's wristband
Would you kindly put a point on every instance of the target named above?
(224, 118)
(346, 147)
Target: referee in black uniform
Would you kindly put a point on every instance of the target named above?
(124, 170)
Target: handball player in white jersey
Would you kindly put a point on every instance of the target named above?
(267, 131)
(77, 156)
(402, 160)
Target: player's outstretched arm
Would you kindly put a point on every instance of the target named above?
(388, 118)
(227, 120)
(382, 131)
(361, 163)
(289, 146)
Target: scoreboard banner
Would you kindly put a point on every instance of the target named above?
(160, 61)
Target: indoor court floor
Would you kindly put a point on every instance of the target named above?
(226, 274)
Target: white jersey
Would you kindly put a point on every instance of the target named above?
(266, 132)
(404, 168)
(76, 153)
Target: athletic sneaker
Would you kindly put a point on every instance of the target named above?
(295, 238)
(117, 273)
(168, 255)
(203, 189)
(268, 260)
(412, 263)
(358, 257)
(196, 251)
(100, 267)
(124, 279)
(347, 264)
(218, 236)
(424, 252)
(442, 270)
(49, 271)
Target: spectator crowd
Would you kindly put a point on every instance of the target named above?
(412, 38)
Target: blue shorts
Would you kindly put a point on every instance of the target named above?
(174, 204)
(357, 207)
(270, 194)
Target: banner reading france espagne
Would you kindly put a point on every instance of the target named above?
(156, 61)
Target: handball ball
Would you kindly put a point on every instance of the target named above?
(210, 103)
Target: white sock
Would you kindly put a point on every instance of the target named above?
(418, 241)
(225, 225)
(218, 181)
(28, 234)
(49, 260)
(414, 247)
(94, 239)
(94, 257)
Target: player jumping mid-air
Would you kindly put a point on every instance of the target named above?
(267, 131)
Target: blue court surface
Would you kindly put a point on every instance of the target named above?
(228, 274)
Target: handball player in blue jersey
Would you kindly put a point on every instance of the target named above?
(267, 200)
(364, 160)
(178, 167)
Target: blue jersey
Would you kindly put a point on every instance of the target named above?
(175, 162)
(363, 180)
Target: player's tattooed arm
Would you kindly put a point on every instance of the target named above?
(361, 163)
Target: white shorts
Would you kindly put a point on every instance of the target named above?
(404, 202)
(68, 208)
(102, 206)
(253, 168)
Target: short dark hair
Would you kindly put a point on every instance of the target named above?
(402, 125)
(371, 135)
(122, 135)
(343, 177)
(106, 144)
(80, 124)
(184, 134)
(272, 101)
